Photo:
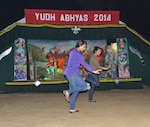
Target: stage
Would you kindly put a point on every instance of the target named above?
(59, 85)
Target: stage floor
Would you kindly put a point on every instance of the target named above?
(49, 82)
(114, 108)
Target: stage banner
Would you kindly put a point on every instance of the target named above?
(68, 17)
(20, 60)
(108, 60)
(123, 58)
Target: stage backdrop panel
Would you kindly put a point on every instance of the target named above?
(20, 60)
(49, 57)
(123, 58)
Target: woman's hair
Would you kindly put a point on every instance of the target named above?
(80, 43)
(96, 48)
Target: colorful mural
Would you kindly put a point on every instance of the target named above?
(20, 60)
(123, 58)
(49, 57)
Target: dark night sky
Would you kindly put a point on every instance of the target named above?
(135, 13)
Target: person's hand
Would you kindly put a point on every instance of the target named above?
(97, 71)
(109, 67)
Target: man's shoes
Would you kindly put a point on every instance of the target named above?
(92, 100)
(88, 86)
(66, 94)
(73, 111)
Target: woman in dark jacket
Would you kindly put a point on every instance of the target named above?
(92, 78)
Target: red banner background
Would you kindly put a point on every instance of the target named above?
(67, 17)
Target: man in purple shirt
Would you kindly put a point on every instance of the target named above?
(72, 73)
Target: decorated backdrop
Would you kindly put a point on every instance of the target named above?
(20, 60)
(48, 58)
